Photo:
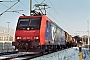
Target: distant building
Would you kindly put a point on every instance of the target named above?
(85, 39)
(6, 35)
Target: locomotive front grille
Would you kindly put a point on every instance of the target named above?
(26, 44)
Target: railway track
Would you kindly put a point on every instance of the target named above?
(22, 55)
(7, 53)
(19, 56)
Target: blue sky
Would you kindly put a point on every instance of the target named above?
(70, 15)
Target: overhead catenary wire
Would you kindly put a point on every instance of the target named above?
(81, 27)
(58, 15)
(36, 1)
(54, 11)
(9, 8)
(24, 5)
(7, 1)
(16, 11)
(42, 1)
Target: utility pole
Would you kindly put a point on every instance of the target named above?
(88, 34)
(80, 52)
(8, 30)
(30, 6)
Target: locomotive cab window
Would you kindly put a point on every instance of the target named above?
(24, 22)
(35, 22)
(29, 24)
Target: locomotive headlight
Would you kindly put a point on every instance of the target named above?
(36, 37)
(18, 37)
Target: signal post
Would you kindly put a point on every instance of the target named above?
(80, 52)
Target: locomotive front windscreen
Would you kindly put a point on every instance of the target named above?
(29, 24)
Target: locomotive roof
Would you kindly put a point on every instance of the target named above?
(29, 16)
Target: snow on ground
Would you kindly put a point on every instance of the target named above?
(67, 54)
(86, 53)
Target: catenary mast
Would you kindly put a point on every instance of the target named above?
(30, 6)
(88, 33)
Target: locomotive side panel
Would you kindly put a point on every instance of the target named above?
(54, 32)
(63, 40)
(48, 33)
(58, 36)
(54, 35)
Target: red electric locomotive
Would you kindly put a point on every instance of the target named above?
(38, 33)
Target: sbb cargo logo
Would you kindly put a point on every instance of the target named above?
(53, 33)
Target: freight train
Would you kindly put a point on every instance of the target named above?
(38, 33)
